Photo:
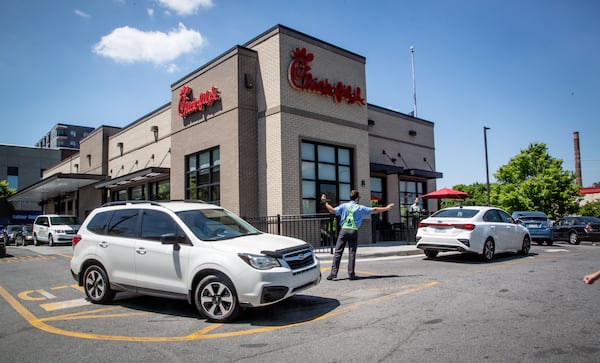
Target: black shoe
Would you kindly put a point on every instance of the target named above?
(353, 277)
(331, 277)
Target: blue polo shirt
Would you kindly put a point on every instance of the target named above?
(342, 211)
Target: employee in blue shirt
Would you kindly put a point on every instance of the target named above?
(351, 215)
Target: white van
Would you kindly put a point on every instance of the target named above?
(54, 228)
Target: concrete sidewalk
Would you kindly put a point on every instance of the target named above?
(378, 249)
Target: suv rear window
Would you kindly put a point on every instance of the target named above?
(99, 222)
(124, 223)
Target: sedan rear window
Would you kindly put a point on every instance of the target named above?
(455, 213)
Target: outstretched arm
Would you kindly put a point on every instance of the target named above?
(382, 209)
(590, 278)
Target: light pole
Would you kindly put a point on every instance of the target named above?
(412, 53)
(487, 169)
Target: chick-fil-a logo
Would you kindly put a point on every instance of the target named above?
(300, 78)
(188, 104)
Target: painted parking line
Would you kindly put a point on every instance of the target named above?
(67, 304)
(208, 332)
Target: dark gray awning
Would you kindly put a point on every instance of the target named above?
(388, 169)
(54, 186)
(393, 169)
(429, 174)
(144, 174)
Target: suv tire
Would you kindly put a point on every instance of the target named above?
(35, 240)
(216, 299)
(50, 240)
(96, 285)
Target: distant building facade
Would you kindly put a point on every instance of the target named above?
(63, 135)
(23, 166)
(262, 130)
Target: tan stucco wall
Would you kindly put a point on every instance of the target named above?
(140, 150)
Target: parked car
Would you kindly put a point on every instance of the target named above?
(24, 236)
(188, 250)
(11, 233)
(481, 230)
(577, 229)
(538, 224)
(2, 246)
(54, 228)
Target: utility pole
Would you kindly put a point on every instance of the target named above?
(487, 170)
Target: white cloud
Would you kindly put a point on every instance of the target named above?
(81, 13)
(186, 7)
(130, 45)
(171, 68)
(150, 12)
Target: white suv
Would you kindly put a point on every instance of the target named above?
(188, 250)
(54, 228)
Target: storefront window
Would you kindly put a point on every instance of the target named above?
(409, 190)
(203, 176)
(376, 191)
(160, 190)
(325, 169)
(137, 192)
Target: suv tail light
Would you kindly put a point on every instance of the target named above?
(75, 240)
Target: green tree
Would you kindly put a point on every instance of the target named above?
(590, 209)
(533, 180)
(477, 195)
(6, 208)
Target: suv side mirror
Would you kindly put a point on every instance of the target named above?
(172, 239)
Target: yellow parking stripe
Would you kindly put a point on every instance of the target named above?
(205, 333)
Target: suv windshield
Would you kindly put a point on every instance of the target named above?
(63, 220)
(215, 224)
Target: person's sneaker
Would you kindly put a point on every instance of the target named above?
(353, 277)
(331, 277)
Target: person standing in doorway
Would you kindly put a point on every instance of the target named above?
(415, 208)
(351, 215)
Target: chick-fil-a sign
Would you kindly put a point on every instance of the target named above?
(188, 104)
(300, 78)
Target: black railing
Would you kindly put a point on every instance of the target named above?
(316, 229)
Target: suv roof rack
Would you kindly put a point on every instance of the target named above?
(126, 202)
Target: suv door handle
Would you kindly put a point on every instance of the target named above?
(141, 251)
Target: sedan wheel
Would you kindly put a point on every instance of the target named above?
(216, 299)
(488, 250)
(96, 285)
(431, 253)
(526, 246)
(573, 238)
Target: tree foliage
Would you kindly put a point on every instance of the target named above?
(590, 209)
(477, 195)
(6, 208)
(533, 180)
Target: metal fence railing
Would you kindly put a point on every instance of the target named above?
(316, 229)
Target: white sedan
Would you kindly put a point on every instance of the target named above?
(481, 230)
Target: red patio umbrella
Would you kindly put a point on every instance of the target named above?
(446, 193)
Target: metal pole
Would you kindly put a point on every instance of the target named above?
(487, 170)
(412, 52)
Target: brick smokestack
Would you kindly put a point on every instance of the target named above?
(577, 158)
